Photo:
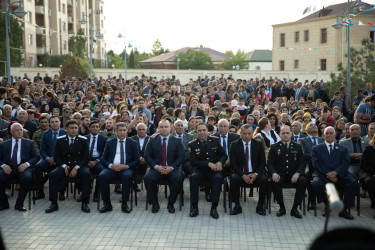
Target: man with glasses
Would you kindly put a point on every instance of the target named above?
(65, 117)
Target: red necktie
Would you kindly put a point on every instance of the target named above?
(164, 153)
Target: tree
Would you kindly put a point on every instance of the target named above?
(157, 48)
(54, 61)
(131, 60)
(15, 41)
(77, 45)
(236, 59)
(362, 70)
(74, 67)
(194, 59)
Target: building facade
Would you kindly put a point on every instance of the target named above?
(259, 59)
(312, 44)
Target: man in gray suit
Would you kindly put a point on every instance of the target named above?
(186, 138)
(299, 91)
(307, 143)
(296, 129)
(355, 145)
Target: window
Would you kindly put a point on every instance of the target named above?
(64, 26)
(63, 8)
(372, 34)
(323, 35)
(65, 47)
(31, 59)
(282, 40)
(257, 68)
(296, 64)
(296, 37)
(30, 39)
(307, 34)
(30, 17)
(323, 64)
(282, 65)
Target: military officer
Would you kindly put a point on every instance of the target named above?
(286, 164)
(71, 156)
(207, 157)
(109, 131)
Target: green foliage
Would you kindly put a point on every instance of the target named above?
(236, 59)
(15, 41)
(362, 70)
(75, 67)
(157, 48)
(131, 60)
(77, 45)
(116, 60)
(53, 61)
(194, 59)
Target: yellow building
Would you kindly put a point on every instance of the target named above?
(312, 44)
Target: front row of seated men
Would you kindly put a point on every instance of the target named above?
(65, 154)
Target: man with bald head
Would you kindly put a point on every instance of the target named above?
(331, 163)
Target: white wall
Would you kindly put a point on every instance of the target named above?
(262, 65)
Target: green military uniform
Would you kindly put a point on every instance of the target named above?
(37, 137)
(108, 134)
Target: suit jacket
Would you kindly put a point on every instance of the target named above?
(324, 163)
(77, 154)
(199, 113)
(141, 151)
(28, 152)
(307, 146)
(175, 152)
(47, 148)
(348, 143)
(301, 92)
(367, 163)
(131, 151)
(231, 138)
(101, 141)
(238, 159)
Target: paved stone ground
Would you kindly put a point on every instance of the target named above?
(69, 228)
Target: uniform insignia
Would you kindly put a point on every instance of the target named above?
(278, 152)
(192, 141)
(212, 136)
(61, 136)
(154, 135)
(82, 137)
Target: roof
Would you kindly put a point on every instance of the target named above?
(340, 9)
(259, 56)
(216, 56)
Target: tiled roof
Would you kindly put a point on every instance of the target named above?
(259, 56)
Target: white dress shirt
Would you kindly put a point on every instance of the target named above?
(166, 151)
(226, 142)
(117, 158)
(244, 150)
(95, 153)
(327, 144)
(18, 152)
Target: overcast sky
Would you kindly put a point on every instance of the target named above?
(218, 24)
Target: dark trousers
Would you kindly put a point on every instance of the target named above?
(25, 180)
(369, 185)
(198, 177)
(107, 175)
(58, 174)
(96, 170)
(151, 184)
(236, 182)
(300, 187)
(43, 167)
(347, 184)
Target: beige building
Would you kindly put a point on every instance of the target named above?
(61, 19)
(312, 44)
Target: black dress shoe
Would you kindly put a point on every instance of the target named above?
(208, 197)
(80, 199)
(236, 210)
(194, 212)
(62, 196)
(125, 208)
(118, 189)
(214, 213)
(20, 208)
(52, 208)
(4, 207)
(39, 195)
(261, 211)
(85, 208)
(107, 207)
(95, 198)
(325, 211)
(295, 213)
(171, 208)
(346, 215)
(155, 208)
(310, 205)
(281, 212)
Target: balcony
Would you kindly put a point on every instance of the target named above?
(41, 32)
(40, 9)
(70, 19)
(41, 50)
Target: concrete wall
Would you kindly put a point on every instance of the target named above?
(185, 75)
(262, 65)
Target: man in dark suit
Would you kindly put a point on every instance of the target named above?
(286, 165)
(120, 159)
(248, 163)
(96, 148)
(141, 138)
(47, 151)
(164, 154)
(271, 89)
(331, 163)
(296, 129)
(71, 157)
(17, 158)
(186, 138)
(207, 156)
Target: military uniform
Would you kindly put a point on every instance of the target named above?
(202, 153)
(108, 134)
(37, 137)
(286, 161)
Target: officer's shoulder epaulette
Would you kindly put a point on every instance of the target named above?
(61, 136)
(280, 143)
(213, 136)
(192, 141)
(154, 135)
(82, 137)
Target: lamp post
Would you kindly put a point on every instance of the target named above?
(338, 25)
(120, 36)
(19, 12)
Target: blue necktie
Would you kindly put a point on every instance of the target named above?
(357, 147)
(225, 144)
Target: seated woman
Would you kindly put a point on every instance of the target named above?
(265, 130)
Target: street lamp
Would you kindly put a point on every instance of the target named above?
(120, 36)
(19, 12)
(338, 25)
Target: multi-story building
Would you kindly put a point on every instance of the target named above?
(60, 20)
(312, 44)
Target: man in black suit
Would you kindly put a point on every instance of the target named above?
(71, 157)
(96, 148)
(120, 159)
(141, 138)
(207, 156)
(248, 163)
(164, 154)
(17, 158)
